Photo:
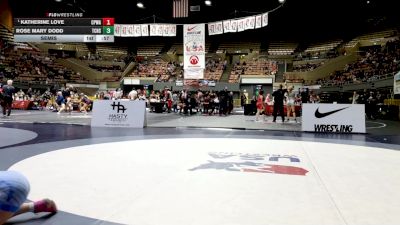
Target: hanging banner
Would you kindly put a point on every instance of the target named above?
(246, 23)
(169, 30)
(258, 21)
(172, 28)
(234, 25)
(252, 22)
(211, 28)
(137, 31)
(227, 26)
(145, 29)
(153, 30)
(264, 19)
(160, 30)
(130, 31)
(240, 26)
(219, 28)
(117, 30)
(215, 28)
(124, 30)
(194, 50)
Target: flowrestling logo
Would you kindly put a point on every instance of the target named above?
(254, 163)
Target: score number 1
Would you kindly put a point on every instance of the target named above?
(108, 26)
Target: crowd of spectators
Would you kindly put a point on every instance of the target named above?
(375, 63)
(306, 67)
(253, 67)
(105, 68)
(159, 69)
(33, 67)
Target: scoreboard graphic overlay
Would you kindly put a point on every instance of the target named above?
(64, 30)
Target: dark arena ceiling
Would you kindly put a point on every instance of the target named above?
(295, 20)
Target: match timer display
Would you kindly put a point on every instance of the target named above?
(64, 30)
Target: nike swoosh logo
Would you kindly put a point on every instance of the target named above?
(322, 115)
(191, 28)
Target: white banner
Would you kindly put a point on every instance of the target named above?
(258, 21)
(227, 26)
(145, 29)
(396, 87)
(194, 46)
(193, 74)
(169, 30)
(252, 22)
(240, 26)
(153, 29)
(137, 31)
(333, 118)
(264, 19)
(117, 30)
(124, 30)
(219, 28)
(234, 25)
(130, 31)
(215, 28)
(119, 113)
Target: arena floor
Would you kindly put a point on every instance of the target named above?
(203, 170)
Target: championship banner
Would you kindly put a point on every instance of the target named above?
(124, 30)
(194, 50)
(169, 30)
(145, 29)
(247, 23)
(240, 26)
(396, 87)
(264, 19)
(160, 30)
(252, 22)
(219, 28)
(117, 30)
(130, 31)
(234, 25)
(215, 28)
(227, 26)
(153, 29)
(258, 21)
(137, 31)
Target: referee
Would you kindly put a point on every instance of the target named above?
(8, 92)
(279, 96)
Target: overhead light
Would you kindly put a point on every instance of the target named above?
(58, 0)
(207, 2)
(140, 5)
(281, 1)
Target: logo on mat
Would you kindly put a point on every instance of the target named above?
(322, 115)
(256, 163)
(119, 107)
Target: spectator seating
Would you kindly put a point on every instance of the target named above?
(149, 50)
(239, 47)
(282, 48)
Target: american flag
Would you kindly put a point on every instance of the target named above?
(180, 8)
